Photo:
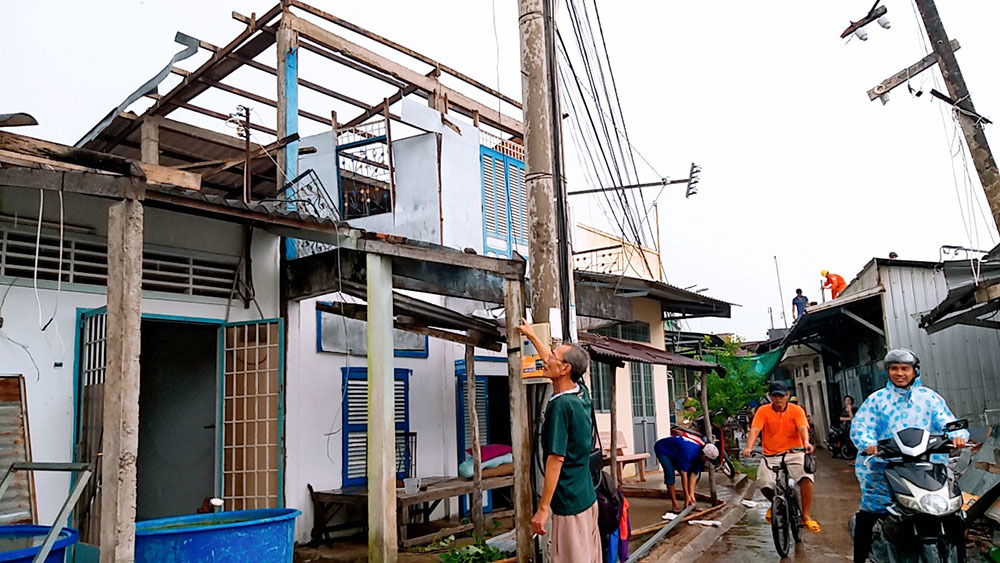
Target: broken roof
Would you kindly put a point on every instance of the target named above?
(688, 304)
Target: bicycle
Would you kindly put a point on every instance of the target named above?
(786, 512)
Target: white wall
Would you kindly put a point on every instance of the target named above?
(50, 389)
(313, 421)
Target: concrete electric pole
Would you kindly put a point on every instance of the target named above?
(969, 120)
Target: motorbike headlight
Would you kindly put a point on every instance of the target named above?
(933, 504)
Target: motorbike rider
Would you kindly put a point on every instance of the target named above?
(903, 403)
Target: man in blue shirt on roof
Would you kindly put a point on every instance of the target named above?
(677, 453)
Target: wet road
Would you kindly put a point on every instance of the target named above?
(836, 500)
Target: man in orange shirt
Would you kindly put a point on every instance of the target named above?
(834, 282)
(783, 426)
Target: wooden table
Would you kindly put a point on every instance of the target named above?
(409, 506)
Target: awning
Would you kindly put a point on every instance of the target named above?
(621, 350)
(673, 299)
(817, 317)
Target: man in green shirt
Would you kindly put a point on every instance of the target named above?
(568, 492)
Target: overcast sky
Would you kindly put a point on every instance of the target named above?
(797, 163)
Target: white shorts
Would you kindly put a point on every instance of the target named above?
(796, 469)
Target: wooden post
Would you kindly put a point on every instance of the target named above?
(708, 433)
(382, 546)
(615, 475)
(287, 41)
(476, 500)
(121, 383)
(520, 431)
(150, 141)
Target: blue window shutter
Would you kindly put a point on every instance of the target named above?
(355, 422)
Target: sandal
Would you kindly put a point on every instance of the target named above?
(767, 516)
(812, 525)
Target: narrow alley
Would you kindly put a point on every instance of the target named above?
(749, 541)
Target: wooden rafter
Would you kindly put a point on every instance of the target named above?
(457, 100)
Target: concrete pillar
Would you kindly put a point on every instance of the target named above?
(121, 383)
(381, 414)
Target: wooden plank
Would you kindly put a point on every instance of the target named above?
(100, 185)
(166, 175)
(405, 50)
(616, 476)
(454, 530)
(381, 470)
(83, 157)
(476, 497)
(520, 430)
(398, 71)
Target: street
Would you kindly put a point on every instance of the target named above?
(836, 500)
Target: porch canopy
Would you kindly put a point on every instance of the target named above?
(819, 320)
(615, 351)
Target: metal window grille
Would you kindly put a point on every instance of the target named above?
(251, 404)
(85, 261)
(600, 376)
(365, 170)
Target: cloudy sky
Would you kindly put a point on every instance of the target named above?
(797, 163)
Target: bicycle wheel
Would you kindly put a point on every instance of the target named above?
(727, 468)
(779, 525)
(795, 515)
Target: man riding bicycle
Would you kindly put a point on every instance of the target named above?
(903, 403)
(782, 427)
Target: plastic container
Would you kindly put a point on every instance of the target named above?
(258, 536)
(21, 542)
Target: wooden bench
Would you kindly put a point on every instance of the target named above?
(639, 459)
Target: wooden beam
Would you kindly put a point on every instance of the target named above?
(476, 498)
(302, 82)
(121, 384)
(615, 475)
(708, 434)
(203, 111)
(100, 185)
(288, 105)
(863, 322)
(398, 71)
(904, 75)
(405, 50)
(217, 67)
(520, 430)
(73, 155)
(988, 293)
(381, 414)
(372, 111)
(171, 177)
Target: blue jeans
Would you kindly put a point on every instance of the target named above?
(668, 469)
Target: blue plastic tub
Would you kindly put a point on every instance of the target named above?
(257, 536)
(21, 542)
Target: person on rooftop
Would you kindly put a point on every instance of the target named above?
(834, 282)
(799, 304)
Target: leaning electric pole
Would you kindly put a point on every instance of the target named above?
(968, 119)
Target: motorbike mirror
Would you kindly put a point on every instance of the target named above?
(961, 424)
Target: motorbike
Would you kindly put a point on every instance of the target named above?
(925, 521)
(690, 433)
(839, 442)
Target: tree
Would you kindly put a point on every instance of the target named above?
(742, 383)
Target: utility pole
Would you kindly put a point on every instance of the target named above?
(969, 120)
(975, 137)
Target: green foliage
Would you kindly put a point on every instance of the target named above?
(741, 384)
(477, 552)
(749, 469)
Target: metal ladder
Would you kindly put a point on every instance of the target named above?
(85, 469)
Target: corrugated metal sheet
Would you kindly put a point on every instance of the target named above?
(633, 352)
(17, 504)
(962, 363)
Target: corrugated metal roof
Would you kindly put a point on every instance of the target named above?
(633, 352)
(961, 363)
(674, 299)
(847, 299)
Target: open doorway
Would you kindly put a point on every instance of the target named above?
(178, 399)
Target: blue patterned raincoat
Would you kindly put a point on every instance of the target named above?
(883, 413)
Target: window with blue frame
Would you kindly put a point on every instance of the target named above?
(355, 425)
(600, 379)
(505, 203)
